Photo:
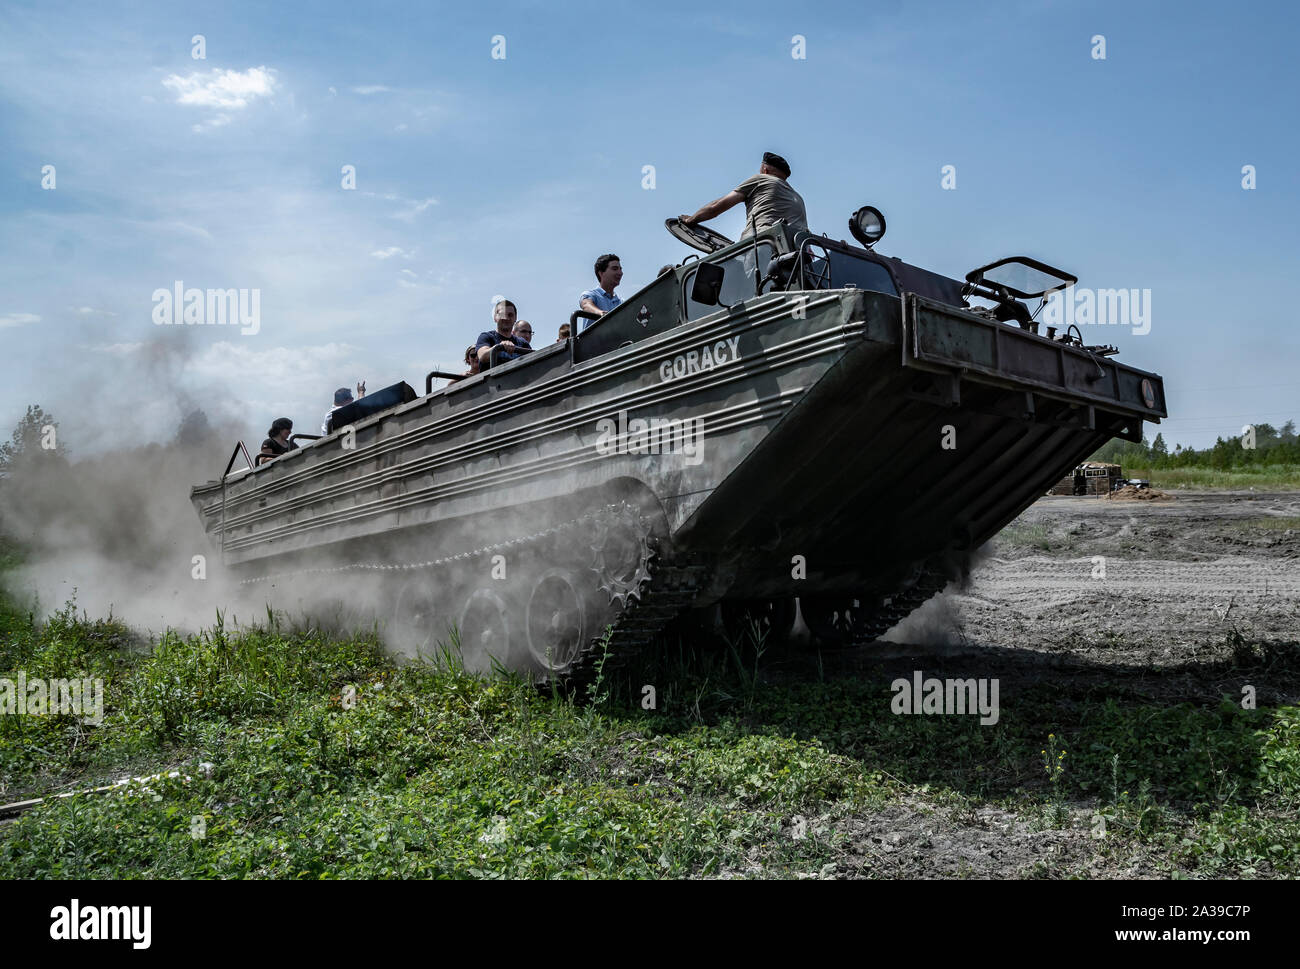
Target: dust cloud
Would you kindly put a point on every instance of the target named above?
(116, 528)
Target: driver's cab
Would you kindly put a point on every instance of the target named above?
(775, 259)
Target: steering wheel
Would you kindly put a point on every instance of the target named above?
(696, 236)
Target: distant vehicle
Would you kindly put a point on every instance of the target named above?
(1090, 478)
(786, 417)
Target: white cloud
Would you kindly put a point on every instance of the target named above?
(424, 287)
(282, 366)
(413, 207)
(18, 319)
(112, 349)
(216, 121)
(332, 91)
(407, 272)
(91, 311)
(371, 89)
(416, 208)
(400, 127)
(222, 89)
(391, 251)
(179, 228)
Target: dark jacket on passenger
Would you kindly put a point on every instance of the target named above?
(271, 448)
(490, 338)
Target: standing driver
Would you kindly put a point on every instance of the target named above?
(768, 199)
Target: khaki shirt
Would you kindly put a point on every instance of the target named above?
(769, 199)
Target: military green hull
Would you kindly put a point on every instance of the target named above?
(835, 444)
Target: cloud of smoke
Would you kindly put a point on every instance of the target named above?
(117, 526)
(935, 623)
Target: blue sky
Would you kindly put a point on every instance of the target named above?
(478, 176)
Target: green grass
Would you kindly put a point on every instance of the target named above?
(330, 762)
(1278, 524)
(1025, 535)
(1261, 477)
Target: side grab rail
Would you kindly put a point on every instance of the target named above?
(433, 375)
(492, 355)
(239, 446)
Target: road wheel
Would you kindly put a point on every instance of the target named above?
(558, 621)
(414, 626)
(486, 629)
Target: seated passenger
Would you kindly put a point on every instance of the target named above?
(522, 334)
(341, 397)
(564, 333)
(503, 314)
(277, 440)
(609, 273)
(471, 365)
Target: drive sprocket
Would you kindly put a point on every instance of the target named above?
(621, 552)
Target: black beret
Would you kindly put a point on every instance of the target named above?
(776, 161)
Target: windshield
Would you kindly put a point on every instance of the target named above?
(739, 284)
(1022, 277)
(850, 271)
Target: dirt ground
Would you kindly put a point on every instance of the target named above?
(1091, 593)
(1167, 576)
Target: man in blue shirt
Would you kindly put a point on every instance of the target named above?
(609, 273)
(503, 314)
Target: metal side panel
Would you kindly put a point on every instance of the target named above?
(937, 337)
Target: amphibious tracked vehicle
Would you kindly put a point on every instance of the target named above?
(786, 417)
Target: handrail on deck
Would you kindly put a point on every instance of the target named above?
(438, 374)
(239, 446)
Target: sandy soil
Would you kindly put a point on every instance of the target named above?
(1172, 574)
(1193, 589)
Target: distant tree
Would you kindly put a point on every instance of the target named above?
(1266, 436)
(32, 435)
(1287, 433)
(1158, 447)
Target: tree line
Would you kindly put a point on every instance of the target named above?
(1271, 446)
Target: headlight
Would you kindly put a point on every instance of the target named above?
(867, 225)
